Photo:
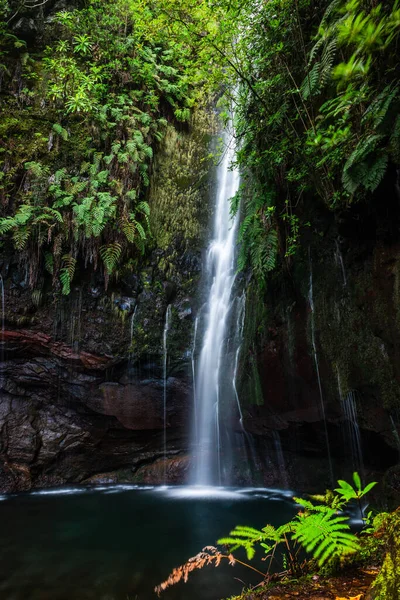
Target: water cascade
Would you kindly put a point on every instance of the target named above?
(395, 433)
(167, 325)
(220, 270)
(280, 459)
(353, 431)
(316, 362)
(238, 343)
(193, 362)
(132, 330)
(249, 451)
(339, 260)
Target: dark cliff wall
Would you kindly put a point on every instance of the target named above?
(350, 325)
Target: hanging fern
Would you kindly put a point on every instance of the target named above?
(395, 140)
(129, 229)
(357, 169)
(110, 255)
(378, 110)
(311, 83)
(49, 262)
(327, 60)
(63, 133)
(67, 272)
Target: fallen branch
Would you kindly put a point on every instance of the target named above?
(208, 556)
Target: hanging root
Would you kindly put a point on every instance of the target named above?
(208, 556)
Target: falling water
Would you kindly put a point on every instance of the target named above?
(353, 431)
(339, 259)
(395, 433)
(249, 451)
(315, 354)
(167, 325)
(349, 407)
(220, 268)
(193, 361)
(132, 330)
(239, 338)
(280, 459)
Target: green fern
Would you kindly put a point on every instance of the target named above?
(21, 237)
(49, 262)
(63, 133)
(311, 83)
(356, 168)
(379, 107)
(376, 172)
(324, 534)
(318, 528)
(110, 255)
(327, 60)
(395, 140)
(67, 272)
(129, 230)
(247, 537)
(35, 168)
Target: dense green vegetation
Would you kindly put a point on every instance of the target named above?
(83, 109)
(322, 122)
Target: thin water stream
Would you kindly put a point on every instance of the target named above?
(316, 361)
(167, 326)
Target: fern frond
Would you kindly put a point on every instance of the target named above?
(144, 208)
(310, 85)
(49, 262)
(110, 255)
(379, 107)
(67, 272)
(327, 60)
(332, 8)
(129, 229)
(325, 534)
(21, 236)
(6, 224)
(63, 133)
(376, 173)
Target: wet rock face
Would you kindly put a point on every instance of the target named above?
(81, 377)
(339, 349)
(62, 419)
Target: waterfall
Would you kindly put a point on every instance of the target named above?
(167, 325)
(193, 361)
(220, 269)
(339, 260)
(316, 362)
(349, 407)
(353, 431)
(280, 459)
(395, 433)
(132, 330)
(238, 342)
